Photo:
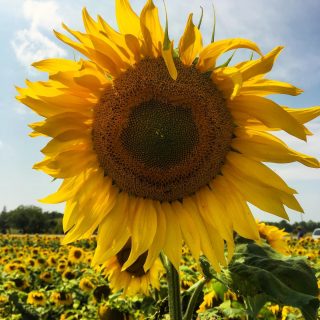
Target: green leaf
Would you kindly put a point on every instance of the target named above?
(260, 274)
(232, 309)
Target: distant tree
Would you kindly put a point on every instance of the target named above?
(4, 223)
(28, 219)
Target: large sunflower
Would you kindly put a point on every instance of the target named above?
(159, 145)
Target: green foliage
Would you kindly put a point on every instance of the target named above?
(259, 274)
(30, 219)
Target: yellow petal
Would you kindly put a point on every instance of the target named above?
(263, 65)
(53, 66)
(189, 233)
(190, 43)
(269, 113)
(209, 55)
(59, 144)
(90, 25)
(55, 125)
(113, 232)
(173, 243)
(304, 115)
(66, 191)
(127, 19)
(212, 211)
(263, 87)
(243, 220)
(253, 170)
(262, 146)
(99, 205)
(99, 56)
(151, 30)
(228, 80)
(167, 55)
(144, 226)
(159, 239)
(262, 197)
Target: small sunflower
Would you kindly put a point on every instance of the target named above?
(52, 261)
(76, 255)
(20, 283)
(159, 145)
(61, 298)
(3, 299)
(36, 298)
(101, 293)
(46, 277)
(10, 267)
(107, 313)
(208, 301)
(86, 284)
(274, 236)
(61, 267)
(133, 279)
(69, 274)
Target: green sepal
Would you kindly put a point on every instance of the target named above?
(225, 64)
(214, 24)
(201, 17)
(166, 40)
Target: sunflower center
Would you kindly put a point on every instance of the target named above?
(159, 134)
(38, 297)
(77, 254)
(136, 269)
(158, 138)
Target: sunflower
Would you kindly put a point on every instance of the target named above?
(76, 255)
(20, 283)
(107, 313)
(52, 261)
(274, 236)
(160, 145)
(36, 298)
(61, 298)
(68, 274)
(133, 279)
(101, 293)
(46, 277)
(10, 267)
(208, 301)
(86, 284)
(61, 267)
(3, 299)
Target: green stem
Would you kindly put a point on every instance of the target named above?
(194, 298)
(174, 297)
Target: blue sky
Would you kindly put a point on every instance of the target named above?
(26, 36)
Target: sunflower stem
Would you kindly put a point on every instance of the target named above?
(174, 297)
(194, 298)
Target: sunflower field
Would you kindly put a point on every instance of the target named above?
(42, 279)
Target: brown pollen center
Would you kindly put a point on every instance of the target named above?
(160, 138)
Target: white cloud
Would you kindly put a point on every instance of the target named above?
(31, 44)
(42, 14)
(1, 144)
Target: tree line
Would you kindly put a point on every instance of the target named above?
(30, 219)
(306, 226)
